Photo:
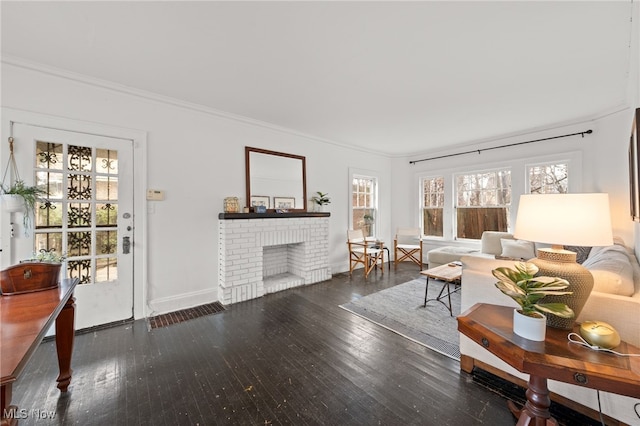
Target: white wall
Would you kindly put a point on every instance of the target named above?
(197, 157)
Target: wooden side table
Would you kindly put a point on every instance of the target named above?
(450, 274)
(491, 326)
(25, 319)
(379, 244)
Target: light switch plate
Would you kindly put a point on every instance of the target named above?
(155, 195)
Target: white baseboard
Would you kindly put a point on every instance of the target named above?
(164, 305)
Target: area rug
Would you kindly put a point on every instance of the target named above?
(400, 310)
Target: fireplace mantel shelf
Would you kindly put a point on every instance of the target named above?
(227, 216)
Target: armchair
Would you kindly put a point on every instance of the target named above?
(361, 252)
(407, 245)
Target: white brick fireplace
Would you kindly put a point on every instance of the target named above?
(265, 253)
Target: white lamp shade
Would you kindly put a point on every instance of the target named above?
(564, 219)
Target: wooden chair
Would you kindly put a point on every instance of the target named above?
(361, 252)
(407, 245)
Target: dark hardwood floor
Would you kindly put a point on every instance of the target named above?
(292, 357)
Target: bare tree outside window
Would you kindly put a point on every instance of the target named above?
(482, 203)
(549, 179)
(433, 206)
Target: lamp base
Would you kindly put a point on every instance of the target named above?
(560, 263)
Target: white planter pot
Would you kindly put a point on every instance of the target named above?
(12, 202)
(529, 327)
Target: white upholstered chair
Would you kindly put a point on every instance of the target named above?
(361, 252)
(407, 245)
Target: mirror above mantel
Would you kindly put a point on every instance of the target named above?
(276, 180)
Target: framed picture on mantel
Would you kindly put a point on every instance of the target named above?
(634, 167)
(284, 203)
(259, 200)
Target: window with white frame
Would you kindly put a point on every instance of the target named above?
(550, 178)
(364, 204)
(432, 206)
(483, 200)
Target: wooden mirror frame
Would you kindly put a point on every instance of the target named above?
(247, 154)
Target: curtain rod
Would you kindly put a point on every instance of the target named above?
(588, 132)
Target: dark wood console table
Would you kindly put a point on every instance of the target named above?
(25, 319)
(491, 326)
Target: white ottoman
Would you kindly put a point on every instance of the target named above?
(447, 254)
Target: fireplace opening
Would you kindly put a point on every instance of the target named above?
(282, 267)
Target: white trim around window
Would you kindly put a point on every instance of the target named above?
(366, 174)
(519, 183)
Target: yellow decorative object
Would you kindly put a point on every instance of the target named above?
(231, 205)
(600, 334)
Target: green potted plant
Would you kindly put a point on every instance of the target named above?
(47, 256)
(527, 290)
(366, 224)
(22, 197)
(320, 200)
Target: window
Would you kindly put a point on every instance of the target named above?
(548, 178)
(364, 202)
(482, 202)
(79, 217)
(460, 202)
(432, 206)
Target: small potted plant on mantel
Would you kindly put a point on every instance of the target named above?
(527, 290)
(41, 272)
(320, 200)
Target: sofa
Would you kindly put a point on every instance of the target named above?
(491, 246)
(615, 299)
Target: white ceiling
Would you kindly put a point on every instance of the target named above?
(394, 77)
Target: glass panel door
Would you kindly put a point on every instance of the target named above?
(88, 215)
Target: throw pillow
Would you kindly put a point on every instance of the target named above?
(612, 272)
(518, 249)
(582, 253)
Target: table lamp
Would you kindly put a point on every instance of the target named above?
(564, 220)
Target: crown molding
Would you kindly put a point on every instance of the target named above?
(166, 100)
(154, 97)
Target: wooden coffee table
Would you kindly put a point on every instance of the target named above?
(450, 273)
(491, 326)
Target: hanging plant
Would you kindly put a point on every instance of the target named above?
(24, 196)
(19, 196)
